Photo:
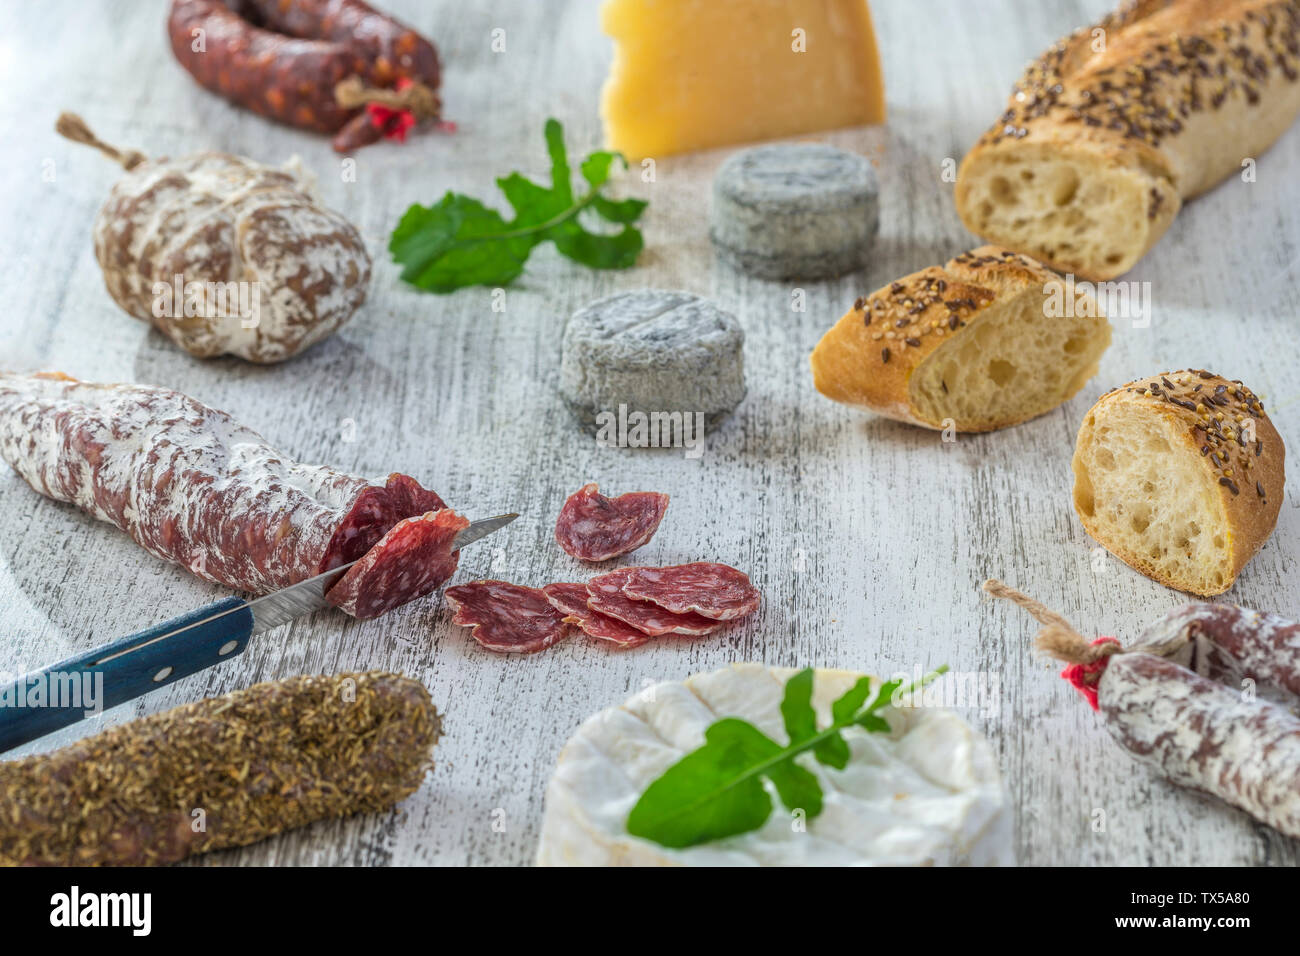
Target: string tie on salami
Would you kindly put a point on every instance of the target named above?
(73, 127)
(1085, 660)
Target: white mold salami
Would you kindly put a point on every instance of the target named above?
(192, 486)
(268, 270)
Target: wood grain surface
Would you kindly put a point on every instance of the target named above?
(868, 538)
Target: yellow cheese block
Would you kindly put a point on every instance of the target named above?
(692, 74)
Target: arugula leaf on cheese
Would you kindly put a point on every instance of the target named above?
(717, 791)
(459, 242)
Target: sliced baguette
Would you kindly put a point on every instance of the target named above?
(1112, 129)
(989, 340)
(1168, 478)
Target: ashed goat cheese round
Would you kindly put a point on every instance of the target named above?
(795, 211)
(927, 793)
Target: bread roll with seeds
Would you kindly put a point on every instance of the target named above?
(1099, 148)
(1180, 476)
(989, 340)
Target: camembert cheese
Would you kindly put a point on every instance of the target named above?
(692, 74)
(929, 792)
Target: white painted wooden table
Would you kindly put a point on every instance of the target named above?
(868, 538)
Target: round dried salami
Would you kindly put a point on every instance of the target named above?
(607, 597)
(507, 618)
(711, 590)
(571, 601)
(592, 527)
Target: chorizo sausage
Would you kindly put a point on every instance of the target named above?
(283, 59)
(222, 772)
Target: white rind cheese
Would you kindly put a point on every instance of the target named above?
(928, 793)
(795, 211)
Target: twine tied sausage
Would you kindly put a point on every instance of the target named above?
(73, 127)
(414, 96)
(1086, 659)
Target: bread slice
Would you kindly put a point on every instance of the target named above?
(1180, 476)
(988, 340)
(1112, 129)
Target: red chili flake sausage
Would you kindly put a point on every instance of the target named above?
(607, 597)
(592, 527)
(711, 590)
(284, 58)
(507, 618)
(191, 485)
(571, 601)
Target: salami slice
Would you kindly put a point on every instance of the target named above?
(191, 485)
(711, 590)
(507, 618)
(412, 560)
(571, 601)
(607, 597)
(592, 527)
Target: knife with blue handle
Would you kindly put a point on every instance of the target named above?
(58, 696)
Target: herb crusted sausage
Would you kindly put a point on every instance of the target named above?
(222, 772)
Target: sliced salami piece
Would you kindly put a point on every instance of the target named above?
(507, 618)
(412, 560)
(571, 601)
(592, 527)
(711, 590)
(191, 485)
(607, 597)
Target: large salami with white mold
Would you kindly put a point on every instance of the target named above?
(1204, 735)
(191, 485)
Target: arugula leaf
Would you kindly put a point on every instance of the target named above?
(706, 794)
(717, 791)
(796, 707)
(460, 242)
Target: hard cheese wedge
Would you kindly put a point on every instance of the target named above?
(692, 74)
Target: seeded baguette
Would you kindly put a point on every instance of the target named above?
(1168, 478)
(988, 340)
(256, 762)
(1099, 148)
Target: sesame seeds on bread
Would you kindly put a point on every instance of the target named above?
(1112, 129)
(973, 345)
(1181, 477)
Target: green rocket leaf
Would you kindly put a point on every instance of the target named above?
(717, 791)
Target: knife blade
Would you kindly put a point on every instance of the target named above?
(89, 683)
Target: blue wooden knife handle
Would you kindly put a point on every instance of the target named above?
(62, 694)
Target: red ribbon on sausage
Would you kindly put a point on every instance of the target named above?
(1084, 677)
(394, 124)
